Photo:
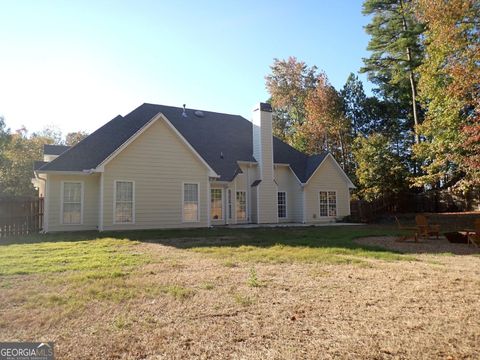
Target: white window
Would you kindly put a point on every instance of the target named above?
(328, 203)
(190, 202)
(229, 200)
(216, 208)
(124, 202)
(72, 202)
(241, 205)
(282, 204)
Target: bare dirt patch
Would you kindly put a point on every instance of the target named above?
(197, 307)
(423, 246)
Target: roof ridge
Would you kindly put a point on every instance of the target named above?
(55, 145)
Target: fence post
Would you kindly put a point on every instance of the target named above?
(20, 216)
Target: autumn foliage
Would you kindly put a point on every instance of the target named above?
(450, 89)
(308, 110)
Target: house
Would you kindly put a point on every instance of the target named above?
(169, 167)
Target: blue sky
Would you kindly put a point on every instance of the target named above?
(77, 64)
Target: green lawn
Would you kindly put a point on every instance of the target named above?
(114, 252)
(103, 255)
(89, 266)
(283, 245)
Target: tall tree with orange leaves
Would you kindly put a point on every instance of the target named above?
(450, 92)
(326, 126)
(289, 83)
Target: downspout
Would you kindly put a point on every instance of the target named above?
(100, 207)
(249, 196)
(304, 205)
(209, 222)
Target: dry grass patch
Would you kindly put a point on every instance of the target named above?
(423, 246)
(173, 301)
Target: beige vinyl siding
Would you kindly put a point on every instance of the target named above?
(241, 181)
(41, 185)
(297, 203)
(159, 163)
(327, 178)
(267, 202)
(288, 183)
(89, 205)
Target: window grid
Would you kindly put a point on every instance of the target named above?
(190, 202)
(230, 215)
(332, 203)
(282, 204)
(72, 203)
(124, 202)
(241, 206)
(216, 211)
(328, 203)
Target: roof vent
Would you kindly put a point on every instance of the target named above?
(199, 114)
(184, 113)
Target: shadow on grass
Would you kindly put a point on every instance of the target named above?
(283, 244)
(311, 237)
(336, 238)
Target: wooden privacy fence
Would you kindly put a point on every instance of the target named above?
(434, 201)
(20, 216)
(367, 211)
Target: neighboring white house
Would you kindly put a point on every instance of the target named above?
(169, 167)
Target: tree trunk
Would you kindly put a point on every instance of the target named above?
(414, 100)
(411, 76)
(342, 149)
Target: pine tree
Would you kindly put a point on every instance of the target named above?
(396, 52)
(354, 100)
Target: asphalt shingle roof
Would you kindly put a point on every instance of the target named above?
(38, 164)
(220, 139)
(54, 149)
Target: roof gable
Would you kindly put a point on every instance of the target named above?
(221, 140)
(335, 164)
(157, 117)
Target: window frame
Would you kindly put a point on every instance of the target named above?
(62, 201)
(229, 204)
(278, 206)
(183, 202)
(115, 222)
(222, 200)
(236, 203)
(328, 204)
